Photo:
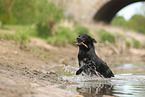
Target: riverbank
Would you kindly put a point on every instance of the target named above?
(33, 70)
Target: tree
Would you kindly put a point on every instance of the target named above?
(137, 22)
(119, 21)
(48, 14)
(6, 10)
(24, 11)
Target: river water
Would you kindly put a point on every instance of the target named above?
(129, 81)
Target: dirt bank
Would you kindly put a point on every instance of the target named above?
(30, 71)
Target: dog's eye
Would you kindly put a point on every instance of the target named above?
(83, 36)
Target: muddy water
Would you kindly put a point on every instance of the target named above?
(129, 81)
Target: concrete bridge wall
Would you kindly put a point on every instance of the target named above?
(94, 10)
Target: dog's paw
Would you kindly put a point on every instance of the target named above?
(79, 72)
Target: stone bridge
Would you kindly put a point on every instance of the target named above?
(95, 10)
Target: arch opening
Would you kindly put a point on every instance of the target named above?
(109, 10)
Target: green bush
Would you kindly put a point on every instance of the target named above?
(63, 35)
(80, 29)
(104, 35)
(136, 43)
(22, 38)
(6, 36)
(136, 22)
(119, 21)
(128, 44)
(43, 31)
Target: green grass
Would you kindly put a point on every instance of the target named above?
(6, 36)
(105, 36)
(136, 44)
(80, 29)
(128, 44)
(64, 35)
(21, 35)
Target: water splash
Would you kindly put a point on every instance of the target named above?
(71, 76)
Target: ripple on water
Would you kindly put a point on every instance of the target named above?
(122, 85)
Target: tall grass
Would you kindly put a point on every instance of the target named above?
(21, 38)
(64, 35)
(106, 36)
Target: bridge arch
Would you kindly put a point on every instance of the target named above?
(108, 11)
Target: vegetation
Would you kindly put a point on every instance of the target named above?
(137, 23)
(28, 18)
(63, 35)
(106, 36)
(21, 38)
(80, 29)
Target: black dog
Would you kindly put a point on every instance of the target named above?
(89, 62)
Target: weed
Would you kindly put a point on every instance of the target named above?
(104, 35)
(22, 38)
(128, 44)
(80, 29)
(6, 36)
(136, 43)
(63, 35)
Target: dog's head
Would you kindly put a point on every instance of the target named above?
(84, 40)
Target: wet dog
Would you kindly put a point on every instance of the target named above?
(89, 62)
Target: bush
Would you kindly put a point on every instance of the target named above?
(136, 43)
(136, 22)
(43, 31)
(80, 29)
(128, 44)
(119, 21)
(21, 38)
(63, 35)
(6, 36)
(104, 35)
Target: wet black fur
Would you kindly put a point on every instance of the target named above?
(89, 62)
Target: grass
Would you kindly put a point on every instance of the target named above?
(64, 35)
(21, 36)
(136, 44)
(106, 36)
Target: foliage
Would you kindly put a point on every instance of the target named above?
(80, 29)
(6, 15)
(6, 36)
(137, 23)
(22, 38)
(119, 21)
(24, 11)
(43, 30)
(49, 17)
(63, 35)
(104, 35)
(136, 43)
(19, 37)
(128, 44)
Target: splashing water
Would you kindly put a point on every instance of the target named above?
(69, 70)
(128, 84)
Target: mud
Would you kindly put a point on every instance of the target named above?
(35, 71)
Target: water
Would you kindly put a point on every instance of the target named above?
(129, 81)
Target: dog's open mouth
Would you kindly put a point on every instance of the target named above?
(81, 43)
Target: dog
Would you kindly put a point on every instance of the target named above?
(89, 62)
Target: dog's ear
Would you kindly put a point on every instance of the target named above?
(94, 40)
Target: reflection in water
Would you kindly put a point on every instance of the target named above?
(129, 84)
(121, 86)
(93, 89)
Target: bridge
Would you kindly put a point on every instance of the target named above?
(96, 10)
